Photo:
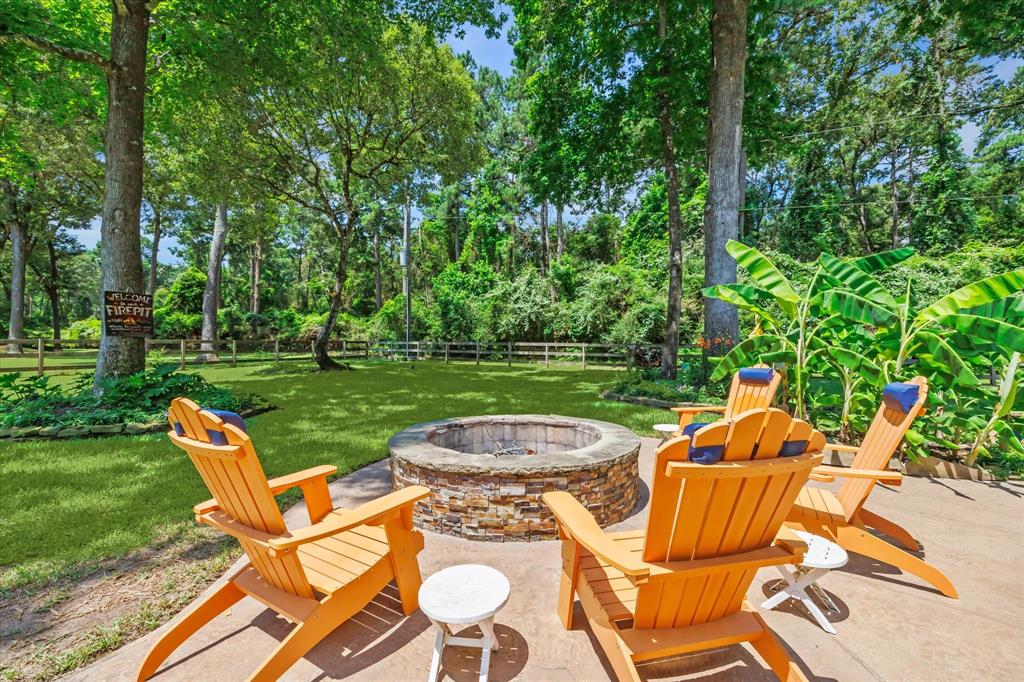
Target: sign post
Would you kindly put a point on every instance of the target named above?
(127, 314)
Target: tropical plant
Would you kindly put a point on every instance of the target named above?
(790, 325)
(996, 425)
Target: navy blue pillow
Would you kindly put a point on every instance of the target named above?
(757, 375)
(706, 454)
(692, 428)
(792, 448)
(900, 396)
(233, 418)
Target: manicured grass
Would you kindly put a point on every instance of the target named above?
(65, 502)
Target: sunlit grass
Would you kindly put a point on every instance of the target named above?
(63, 502)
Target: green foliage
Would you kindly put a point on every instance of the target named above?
(140, 397)
(185, 295)
(88, 328)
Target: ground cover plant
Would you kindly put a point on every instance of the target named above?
(142, 397)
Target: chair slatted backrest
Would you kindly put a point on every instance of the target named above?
(748, 395)
(736, 505)
(884, 436)
(235, 478)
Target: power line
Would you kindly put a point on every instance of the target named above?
(884, 202)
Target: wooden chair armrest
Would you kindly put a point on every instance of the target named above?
(891, 477)
(282, 483)
(222, 522)
(372, 512)
(775, 555)
(278, 485)
(578, 523)
(822, 478)
(789, 540)
(697, 409)
(841, 447)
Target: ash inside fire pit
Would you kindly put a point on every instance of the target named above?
(486, 474)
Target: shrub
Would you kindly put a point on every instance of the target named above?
(139, 397)
(89, 328)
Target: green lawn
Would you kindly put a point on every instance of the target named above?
(64, 502)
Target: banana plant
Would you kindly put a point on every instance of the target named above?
(790, 323)
(925, 334)
(996, 425)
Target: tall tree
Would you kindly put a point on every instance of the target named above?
(124, 65)
(725, 147)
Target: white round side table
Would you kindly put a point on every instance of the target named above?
(666, 431)
(822, 556)
(468, 594)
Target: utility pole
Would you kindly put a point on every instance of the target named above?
(406, 266)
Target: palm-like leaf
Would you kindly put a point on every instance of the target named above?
(883, 260)
(977, 293)
(856, 280)
(1005, 336)
(857, 308)
(944, 355)
(745, 297)
(747, 353)
(764, 272)
(855, 362)
(1006, 309)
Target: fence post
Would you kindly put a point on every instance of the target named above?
(546, 355)
(478, 352)
(181, 356)
(40, 352)
(367, 349)
(344, 349)
(312, 349)
(234, 352)
(446, 352)
(509, 353)
(584, 356)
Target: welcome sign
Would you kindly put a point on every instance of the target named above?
(127, 314)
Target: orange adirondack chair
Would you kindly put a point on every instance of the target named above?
(842, 517)
(317, 577)
(744, 395)
(680, 585)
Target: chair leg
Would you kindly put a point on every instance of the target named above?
(775, 655)
(860, 541)
(607, 636)
(403, 545)
(890, 528)
(567, 585)
(198, 615)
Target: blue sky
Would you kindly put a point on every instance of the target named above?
(497, 54)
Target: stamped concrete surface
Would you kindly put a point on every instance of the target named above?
(891, 626)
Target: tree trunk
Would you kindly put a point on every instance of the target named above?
(725, 121)
(151, 288)
(407, 272)
(545, 240)
(121, 243)
(895, 201)
(378, 292)
(303, 280)
(742, 179)
(257, 264)
(211, 294)
(19, 258)
(670, 354)
(560, 231)
(320, 346)
(53, 293)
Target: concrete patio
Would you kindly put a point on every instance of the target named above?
(891, 626)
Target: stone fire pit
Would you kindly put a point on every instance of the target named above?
(487, 473)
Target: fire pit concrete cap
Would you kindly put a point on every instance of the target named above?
(611, 443)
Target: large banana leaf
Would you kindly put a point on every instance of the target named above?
(1008, 386)
(944, 355)
(977, 293)
(857, 308)
(745, 297)
(1006, 309)
(746, 354)
(883, 260)
(855, 362)
(1006, 336)
(856, 280)
(764, 272)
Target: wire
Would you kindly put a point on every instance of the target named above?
(885, 202)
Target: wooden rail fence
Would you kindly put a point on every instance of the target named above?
(53, 355)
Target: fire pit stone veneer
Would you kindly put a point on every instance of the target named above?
(486, 474)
